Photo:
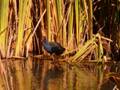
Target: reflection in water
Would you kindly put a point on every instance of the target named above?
(37, 68)
(52, 75)
(37, 74)
(61, 77)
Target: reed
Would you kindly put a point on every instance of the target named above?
(90, 18)
(48, 19)
(27, 42)
(67, 33)
(83, 49)
(77, 19)
(4, 9)
(21, 14)
(70, 26)
(59, 19)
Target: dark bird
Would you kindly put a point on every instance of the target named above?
(53, 47)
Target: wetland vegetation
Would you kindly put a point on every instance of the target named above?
(89, 30)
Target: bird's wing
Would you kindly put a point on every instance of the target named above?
(53, 44)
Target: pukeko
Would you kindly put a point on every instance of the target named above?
(53, 47)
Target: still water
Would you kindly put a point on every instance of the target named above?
(40, 74)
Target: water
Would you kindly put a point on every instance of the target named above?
(38, 74)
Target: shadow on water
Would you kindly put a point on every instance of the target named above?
(37, 74)
(52, 74)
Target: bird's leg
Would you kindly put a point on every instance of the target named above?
(53, 58)
(56, 61)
